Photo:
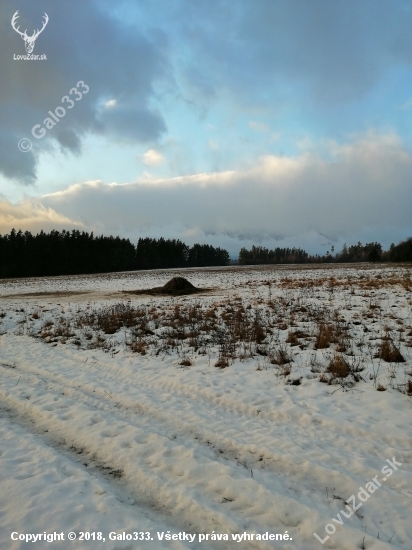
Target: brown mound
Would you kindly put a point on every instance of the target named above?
(178, 286)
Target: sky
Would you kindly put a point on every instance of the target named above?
(274, 123)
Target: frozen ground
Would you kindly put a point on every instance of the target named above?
(115, 418)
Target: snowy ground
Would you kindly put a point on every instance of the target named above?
(138, 430)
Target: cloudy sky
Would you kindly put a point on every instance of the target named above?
(274, 122)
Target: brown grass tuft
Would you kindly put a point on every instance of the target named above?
(339, 367)
(325, 335)
(389, 352)
(222, 362)
(138, 347)
(292, 338)
(280, 356)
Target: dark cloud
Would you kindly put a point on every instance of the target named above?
(129, 123)
(15, 164)
(332, 48)
(264, 50)
(83, 42)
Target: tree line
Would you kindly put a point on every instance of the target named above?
(370, 252)
(260, 255)
(75, 252)
(162, 253)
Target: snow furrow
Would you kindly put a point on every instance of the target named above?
(83, 497)
(167, 472)
(197, 495)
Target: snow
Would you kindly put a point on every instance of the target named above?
(105, 440)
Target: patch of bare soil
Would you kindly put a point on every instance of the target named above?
(57, 294)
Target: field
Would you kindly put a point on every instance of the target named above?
(260, 404)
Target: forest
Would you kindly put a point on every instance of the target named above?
(162, 253)
(370, 252)
(75, 252)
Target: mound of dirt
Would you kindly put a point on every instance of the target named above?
(178, 286)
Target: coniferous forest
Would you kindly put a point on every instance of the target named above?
(261, 255)
(162, 253)
(75, 252)
(370, 252)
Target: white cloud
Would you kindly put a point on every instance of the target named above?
(31, 215)
(153, 158)
(110, 103)
(361, 191)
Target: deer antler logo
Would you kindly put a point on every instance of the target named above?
(29, 41)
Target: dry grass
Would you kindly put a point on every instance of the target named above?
(60, 331)
(389, 352)
(339, 367)
(325, 336)
(338, 315)
(280, 356)
(138, 346)
(361, 282)
(225, 324)
(286, 370)
(344, 371)
(324, 379)
(293, 338)
(222, 362)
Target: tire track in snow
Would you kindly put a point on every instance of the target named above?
(141, 515)
(294, 427)
(197, 498)
(287, 459)
(250, 455)
(102, 395)
(299, 419)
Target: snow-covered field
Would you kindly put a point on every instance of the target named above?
(259, 406)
